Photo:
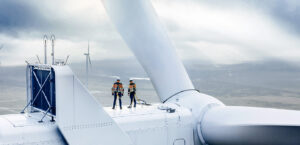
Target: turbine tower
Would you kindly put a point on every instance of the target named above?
(87, 63)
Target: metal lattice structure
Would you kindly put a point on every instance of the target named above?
(41, 90)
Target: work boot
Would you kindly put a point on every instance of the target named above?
(129, 106)
(113, 108)
(120, 108)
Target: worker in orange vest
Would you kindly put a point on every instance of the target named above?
(132, 93)
(117, 91)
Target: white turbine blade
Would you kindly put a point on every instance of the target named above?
(80, 118)
(250, 126)
(139, 26)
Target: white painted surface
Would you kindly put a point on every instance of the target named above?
(195, 101)
(198, 104)
(251, 126)
(24, 129)
(80, 117)
(140, 28)
(151, 126)
(145, 125)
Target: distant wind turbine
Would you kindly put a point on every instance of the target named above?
(88, 62)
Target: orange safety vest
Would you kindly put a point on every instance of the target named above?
(131, 88)
(117, 88)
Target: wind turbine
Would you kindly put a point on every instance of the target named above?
(214, 122)
(199, 119)
(87, 63)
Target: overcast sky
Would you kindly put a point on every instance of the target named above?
(216, 31)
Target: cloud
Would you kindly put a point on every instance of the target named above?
(23, 24)
(15, 15)
(65, 18)
(222, 32)
(286, 12)
(231, 34)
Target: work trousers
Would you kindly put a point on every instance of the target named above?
(115, 99)
(132, 98)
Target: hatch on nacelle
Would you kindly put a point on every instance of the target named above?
(41, 89)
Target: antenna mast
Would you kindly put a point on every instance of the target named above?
(45, 46)
(52, 54)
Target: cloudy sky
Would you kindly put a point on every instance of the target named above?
(215, 31)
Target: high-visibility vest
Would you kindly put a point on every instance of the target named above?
(117, 88)
(131, 88)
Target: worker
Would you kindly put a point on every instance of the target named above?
(117, 91)
(132, 93)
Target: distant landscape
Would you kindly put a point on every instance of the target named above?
(273, 83)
